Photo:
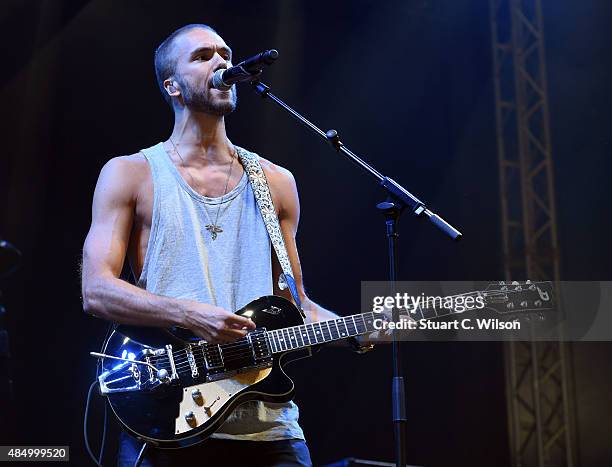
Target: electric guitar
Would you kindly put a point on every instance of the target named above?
(171, 389)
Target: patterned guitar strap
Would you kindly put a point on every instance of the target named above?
(259, 183)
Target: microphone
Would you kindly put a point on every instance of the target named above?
(245, 71)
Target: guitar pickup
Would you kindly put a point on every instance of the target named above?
(260, 345)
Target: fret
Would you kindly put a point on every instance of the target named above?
(357, 323)
(304, 333)
(272, 342)
(326, 331)
(293, 341)
(287, 339)
(350, 325)
(318, 332)
(311, 334)
(298, 334)
(368, 322)
(281, 340)
(342, 329)
(360, 323)
(334, 331)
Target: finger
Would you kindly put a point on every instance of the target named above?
(241, 322)
(232, 334)
(238, 326)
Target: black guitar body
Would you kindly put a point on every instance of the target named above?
(167, 412)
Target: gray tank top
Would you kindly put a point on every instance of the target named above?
(182, 261)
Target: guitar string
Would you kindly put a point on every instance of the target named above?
(297, 330)
(183, 365)
(303, 326)
(241, 349)
(181, 355)
(182, 361)
(304, 331)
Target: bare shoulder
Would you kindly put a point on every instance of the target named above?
(283, 189)
(126, 166)
(123, 175)
(278, 177)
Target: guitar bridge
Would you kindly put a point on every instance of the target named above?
(128, 376)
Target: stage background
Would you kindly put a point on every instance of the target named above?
(408, 85)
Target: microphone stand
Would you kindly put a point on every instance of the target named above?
(398, 199)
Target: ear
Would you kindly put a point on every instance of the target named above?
(171, 87)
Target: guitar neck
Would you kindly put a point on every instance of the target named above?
(320, 332)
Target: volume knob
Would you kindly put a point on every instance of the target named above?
(190, 419)
(196, 394)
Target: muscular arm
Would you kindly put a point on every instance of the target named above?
(108, 297)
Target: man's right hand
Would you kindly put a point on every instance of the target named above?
(215, 324)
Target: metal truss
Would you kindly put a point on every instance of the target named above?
(539, 380)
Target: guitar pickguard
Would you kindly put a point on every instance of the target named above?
(202, 402)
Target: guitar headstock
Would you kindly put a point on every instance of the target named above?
(519, 297)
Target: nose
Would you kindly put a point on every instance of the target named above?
(223, 63)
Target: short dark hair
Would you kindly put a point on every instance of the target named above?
(165, 59)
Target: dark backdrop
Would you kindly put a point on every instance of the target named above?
(77, 88)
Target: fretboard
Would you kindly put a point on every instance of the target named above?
(321, 332)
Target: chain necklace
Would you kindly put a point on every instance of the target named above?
(214, 228)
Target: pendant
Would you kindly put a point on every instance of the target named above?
(214, 230)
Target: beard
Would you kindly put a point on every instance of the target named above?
(201, 99)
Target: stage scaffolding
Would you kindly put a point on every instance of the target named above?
(539, 380)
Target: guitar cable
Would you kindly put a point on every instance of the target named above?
(97, 461)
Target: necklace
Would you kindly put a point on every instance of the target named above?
(214, 228)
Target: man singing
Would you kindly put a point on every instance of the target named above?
(185, 214)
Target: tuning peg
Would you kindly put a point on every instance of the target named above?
(515, 283)
(527, 281)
